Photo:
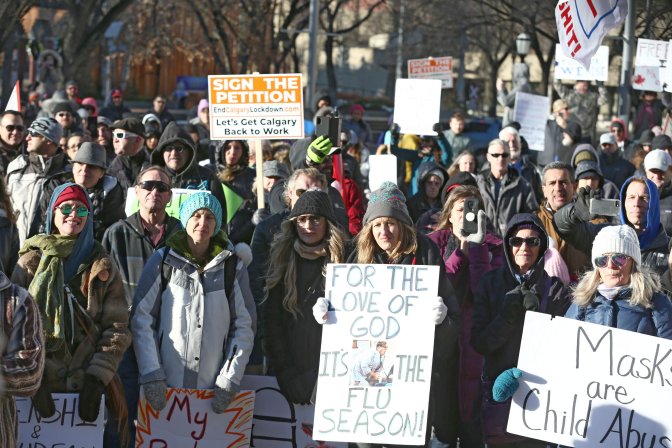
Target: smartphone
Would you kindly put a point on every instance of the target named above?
(605, 207)
(470, 217)
(331, 127)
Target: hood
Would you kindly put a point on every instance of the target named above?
(172, 134)
(220, 160)
(425, 169)
(517, 220)
(623, 125)
(653, 224)
(585, 147)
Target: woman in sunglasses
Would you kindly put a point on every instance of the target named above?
(505, 294)
(618, 292)
(82, 304)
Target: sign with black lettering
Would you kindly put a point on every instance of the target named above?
(63, 429)
(376, 354)
(586, 385)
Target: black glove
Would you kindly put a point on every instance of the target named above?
(43, 401)
(582, 204)
(395, 130)
(513, 306)
(530, 300)
(438, 128)
(293, 387)
(89, 398)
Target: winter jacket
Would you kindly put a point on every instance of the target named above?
(130, 248)
(529, 171)
(113, 112)
(465, 272)
(665, 193)
(419, 203)
(186, 330)
(515, 196)
(97, 286)
(361, 129)
(164, 117)
(413, 156)
(26, 176)
(616, 168)
(193, 176)
(653, 242)
(7, 154)
(620, 313)
(9, 243)
(261, 251)
(457, 143)
(583, 107)
(127, 168)
(22, 356)
(495, 337)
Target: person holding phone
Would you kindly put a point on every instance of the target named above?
(468, 252)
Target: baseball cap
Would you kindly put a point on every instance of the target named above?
(607, 137)
(116, 93)
(658, 159)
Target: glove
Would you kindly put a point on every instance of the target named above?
(318, 150)
(89, 398)
(43, 402)
(582, 204)
(224, 396)
(506, 384)
(155, 394)
(320, 310)
(259, 215)
(437, 127)
(513, 307)
(439, 311)
(479, 236)
(530, 300)
(395, 130)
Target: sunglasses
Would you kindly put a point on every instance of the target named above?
(63, 114)
(121, 135)
(12, 127)
(176, 148)
(532, 241)
(80, 211)
(618, 260)
(34, 134)
(150, 185)
(308, 220)
(504, 155)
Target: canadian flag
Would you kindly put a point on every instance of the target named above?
(14, 102)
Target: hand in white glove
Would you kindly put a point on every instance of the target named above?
(439, 310)
(320, 310)
(479, 236)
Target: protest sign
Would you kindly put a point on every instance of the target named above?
(583, 25)
(568, 68)
(650, 63)
(172, 209)
(382, 168)
(376, 354)
(432, 68)
(417, 105)
(188, 420)
(255, 106)
(586, 385)
(64, 428)
(647, 78)
(666, 72)
(531, 111)
(278, 423)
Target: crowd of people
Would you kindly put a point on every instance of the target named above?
(100, 302)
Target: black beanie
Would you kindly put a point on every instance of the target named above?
(63, 107)
(314, 202)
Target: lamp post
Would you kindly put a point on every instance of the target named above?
(523, 43)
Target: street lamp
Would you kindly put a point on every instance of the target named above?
(523, 43)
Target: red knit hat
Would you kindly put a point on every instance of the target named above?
(72, 193)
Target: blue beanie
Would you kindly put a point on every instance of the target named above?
(197, 201)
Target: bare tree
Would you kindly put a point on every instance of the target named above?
(11, 13)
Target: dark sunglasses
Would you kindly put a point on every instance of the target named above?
(176, 148)
(504, 155)
(80, 211)
(34, 134)
(150, 185)
(12, 127)
(618, 260)
(532, 241)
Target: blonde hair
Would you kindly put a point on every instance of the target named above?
(455, 166)
(644, 284)
(282, 269)
(463, 192)
(367, 246)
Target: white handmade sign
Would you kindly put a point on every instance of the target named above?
(588, 385)
(255, 106)
(568, 68)
(647, 78)
(432, 68)
(63, 429)
(531, 111)
(376, 358)
(650, 63)
(382, 168)
(417, 105)
(188, 420)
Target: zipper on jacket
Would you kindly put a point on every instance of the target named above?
(233, 353)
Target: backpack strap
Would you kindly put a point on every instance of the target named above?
(230, 274)
(166, 271)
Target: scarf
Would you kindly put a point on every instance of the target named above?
(310, 252)
(179, 241)
(609, 292)
(48, 284)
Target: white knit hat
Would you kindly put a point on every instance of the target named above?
(617, 239)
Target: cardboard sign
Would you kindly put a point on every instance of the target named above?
(189, 421)
(376, 354)
(587, 385)
(568, 68)
(647, 78)
(382, 168)
(417, 105)
(278, 423)
(63, 429)
(651, 53)
(255, 106)
(432, 68)
(531, 111)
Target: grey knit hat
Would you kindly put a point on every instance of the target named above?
(91, 154)
(47, 128)
(387, 201)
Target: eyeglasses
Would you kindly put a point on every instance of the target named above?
(121, 135)
(63, 114)
(34, 134)
(176, 148)
(150, 185)
(532, 241)
(618, 260)
(14, 127)
(308, 220)
(504, 155)
(80, 211)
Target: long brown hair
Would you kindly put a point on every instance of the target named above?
(460, 193)
(367, 247)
